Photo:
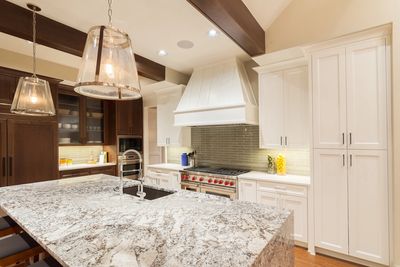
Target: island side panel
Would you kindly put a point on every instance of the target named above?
(280, 250)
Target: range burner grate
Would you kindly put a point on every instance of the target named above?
(218, 170)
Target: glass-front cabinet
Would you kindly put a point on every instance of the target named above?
(94, 121)
(68, 119)
(80, 119)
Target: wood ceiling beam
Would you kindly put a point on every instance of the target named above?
(235, 19)
(17, 21)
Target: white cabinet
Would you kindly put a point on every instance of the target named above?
(330, 199)
(350, 96)
(282, 196)
(366, 94)
(368, 205)
(248, 190)
(167, 133)
(163, 178)
(329, 98)
(283, 108)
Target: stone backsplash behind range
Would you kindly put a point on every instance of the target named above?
(238, 146)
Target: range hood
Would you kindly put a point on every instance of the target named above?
(218, 94)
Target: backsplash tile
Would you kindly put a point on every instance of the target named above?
(238, 146)
(79, 154)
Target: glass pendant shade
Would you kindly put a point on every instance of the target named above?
(108, 69)
(33, 97)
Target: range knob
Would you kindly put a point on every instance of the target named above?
(221, 181)
(226, 182)
(210, 180)
(215, 181)
(194, 178)
(232, 183)
(201, 179)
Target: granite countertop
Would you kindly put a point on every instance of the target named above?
(84, 166)
(84, 221)
(286, 179)
(167, 166)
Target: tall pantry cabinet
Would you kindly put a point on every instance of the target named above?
(350, 92)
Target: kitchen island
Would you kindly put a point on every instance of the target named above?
(85, 222)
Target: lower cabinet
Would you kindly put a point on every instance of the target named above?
(351, 203)
(290, 197)
(110, 170)
(163, 178)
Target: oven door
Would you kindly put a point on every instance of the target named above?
(130, 169)
(190, 186)
(219, 191)
(126, 142)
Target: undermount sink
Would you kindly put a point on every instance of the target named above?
(151, 193)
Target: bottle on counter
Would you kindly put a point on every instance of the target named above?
(281, 164)
(271, 168)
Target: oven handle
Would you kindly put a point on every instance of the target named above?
(221, 189)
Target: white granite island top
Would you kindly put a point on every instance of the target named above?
(85, 222)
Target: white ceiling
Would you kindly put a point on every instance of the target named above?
(266, 11)
(152, 25)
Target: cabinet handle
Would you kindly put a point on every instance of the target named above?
(10, 167)
(4, 166)
(343, 138)
(344, 162)
(281, 140)
(285, 140)
(351, 160)
(350, 139)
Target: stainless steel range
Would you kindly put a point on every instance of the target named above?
(215, 181)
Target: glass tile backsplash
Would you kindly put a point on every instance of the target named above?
(238, 146)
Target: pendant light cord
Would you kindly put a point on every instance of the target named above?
(109, 12)
(34, 43)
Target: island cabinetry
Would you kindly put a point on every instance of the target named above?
(110, 170)
(284, 196)
(163, 178)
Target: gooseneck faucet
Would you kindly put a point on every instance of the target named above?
(125, 156)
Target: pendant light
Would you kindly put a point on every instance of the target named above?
(33, 95)
(108, 68)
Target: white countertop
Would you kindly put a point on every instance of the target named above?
(84, 166)
(286, 179)
(168, 166)
(84, 221)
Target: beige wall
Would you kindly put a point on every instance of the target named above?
(309, 21)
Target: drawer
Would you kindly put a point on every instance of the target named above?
(291, 190)
(103, 170)
(74, 173)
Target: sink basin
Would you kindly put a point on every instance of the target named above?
(151, 193)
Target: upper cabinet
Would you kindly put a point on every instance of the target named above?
(350, 96)
(283, 106)
(168, 97)
(129, 117)
(80, 119)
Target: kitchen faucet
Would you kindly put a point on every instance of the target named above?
(124, 157)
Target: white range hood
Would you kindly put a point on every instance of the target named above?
(218, 94)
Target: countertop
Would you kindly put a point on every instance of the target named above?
(168, 166)
(286, 179)
(84, 221)
(84, 166)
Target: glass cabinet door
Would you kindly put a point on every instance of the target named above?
(94, 121)
(68, 119)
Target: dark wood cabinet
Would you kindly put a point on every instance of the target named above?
(29, 151)
(129, 117)
(8, 84)
(110, 170)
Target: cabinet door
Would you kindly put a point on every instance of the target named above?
(271, 110)
(368, 205)
(94, 117)
(248, 190)
(296, 108)
(32, 151)
(130, 117)
(3, 152)
(367, 94)
(164, 119)
(330, 198)
(299, 207)
(329, 98)
(69, 114)
(270, 199)
(164, 182)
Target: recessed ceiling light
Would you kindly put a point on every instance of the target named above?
(212, 33)
(162, 53)
(185, 44)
